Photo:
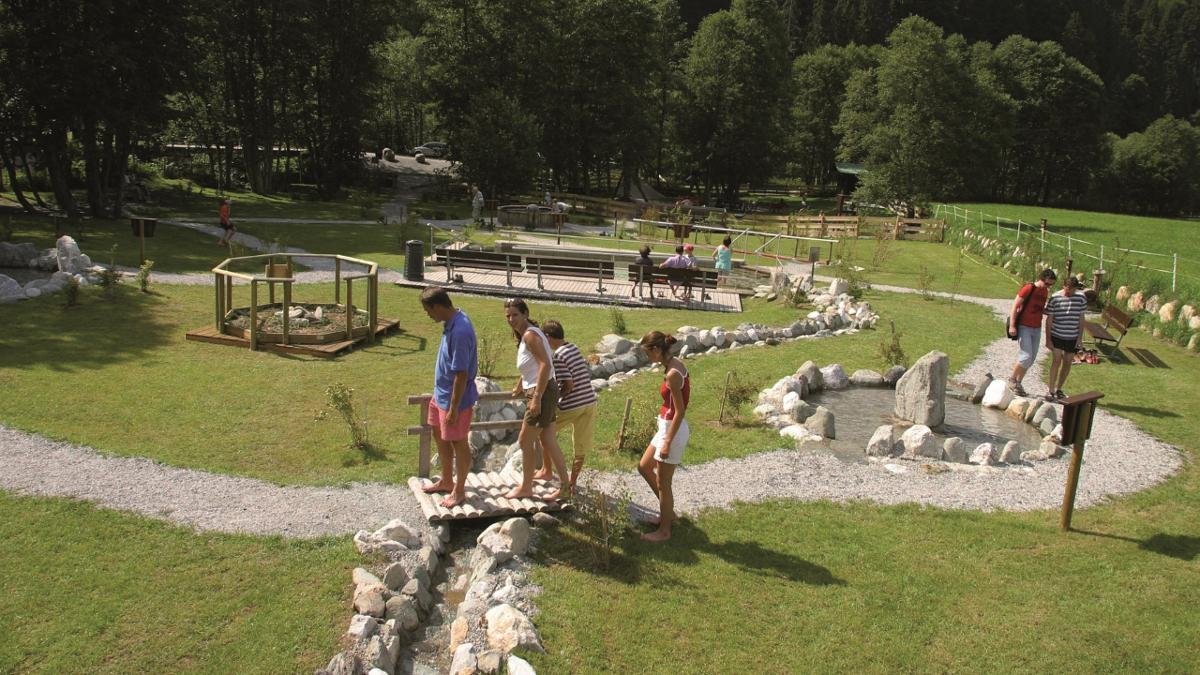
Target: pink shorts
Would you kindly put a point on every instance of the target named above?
(449, 432)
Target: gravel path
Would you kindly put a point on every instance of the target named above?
(1120, 459)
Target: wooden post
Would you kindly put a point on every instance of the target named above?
(349, 308)
(228, 294)
(1077, 415)
(423, 460)
(220, 295)
(724, 396)
(253, 315)
(337, 281)
(624, 421)
(141, 241)
(372, 307)
(287, 308)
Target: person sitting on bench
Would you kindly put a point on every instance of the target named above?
(678, 261)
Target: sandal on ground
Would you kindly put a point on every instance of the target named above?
(1058, 394)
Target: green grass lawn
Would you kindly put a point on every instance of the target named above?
(234, 411)
(1143, 233)
(899, 265)
(89, 590)
(823, 587)
(173, 249)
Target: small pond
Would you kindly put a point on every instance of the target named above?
(858, 411)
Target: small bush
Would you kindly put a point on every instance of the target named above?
(143, 276)
(796, 297)
(737, 395)
(638, 436)
(890, 351)
(925, 282)
(956, 284)
(340, 399)
(71, 292)
(603, 519)
(490, 349)
(616, 320)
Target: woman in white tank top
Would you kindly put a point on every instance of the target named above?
(540, 389)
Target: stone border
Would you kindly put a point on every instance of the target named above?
(783, 407)
(393, 604)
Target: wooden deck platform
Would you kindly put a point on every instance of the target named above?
(485, 499)
(575, 289)
(327, 351)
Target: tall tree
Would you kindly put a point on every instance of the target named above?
(914, 120)
(819, 88)
(1158, 170)
(735, 96)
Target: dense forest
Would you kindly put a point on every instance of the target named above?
(1075, 102)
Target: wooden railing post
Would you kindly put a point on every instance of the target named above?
(337, 281)
(253, 314)
(220, 297)
(423, 452)
(350, 309)
(287, 307)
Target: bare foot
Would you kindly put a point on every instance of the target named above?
(437, 486)
(559, 495)
(543, 474)
(453, 499)
(656, 536)
(518, 493)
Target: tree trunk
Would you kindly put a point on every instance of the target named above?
(12, 178)
(37, 196)
(120, 164)
(58, 163)
(91, 168)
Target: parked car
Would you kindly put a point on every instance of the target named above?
(432, 149)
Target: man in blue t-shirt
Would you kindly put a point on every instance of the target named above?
(454, 394)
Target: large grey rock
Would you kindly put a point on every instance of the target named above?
(519, 666)
(508, 628)
(984, 454)
(810, 372)
(403, 610)
(518, 531)
(867, 378)
(821, 423)
(1011, 454)
(10, 290)
(921, 392)
(1045, 412)
(361, 577)
(17, 255)
(997, 395)
(803, 411)
(883, 442)
(919, 441)
(369, 599)
(834, 377)
(464, 662)
(953, 450)
(361, 627)
(613, 344)
(981, 389)
(342, 663)
(398, 530)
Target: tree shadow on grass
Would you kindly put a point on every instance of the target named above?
(1182, 546)
(1140, 410)
(97, 332)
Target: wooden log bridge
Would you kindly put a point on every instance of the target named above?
(485, 489)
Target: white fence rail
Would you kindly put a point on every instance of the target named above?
(1073, 246)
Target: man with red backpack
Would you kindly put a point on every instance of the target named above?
(1025, 325)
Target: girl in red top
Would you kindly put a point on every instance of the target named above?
(226, 223)
(666, 449)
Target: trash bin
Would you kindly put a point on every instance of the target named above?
(414, 260)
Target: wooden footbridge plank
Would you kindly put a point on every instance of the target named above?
(485, 499)
(326, 350)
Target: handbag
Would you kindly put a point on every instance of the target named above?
(1021, 314)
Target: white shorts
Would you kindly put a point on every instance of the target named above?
(675, 455)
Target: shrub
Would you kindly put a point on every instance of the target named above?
(616, 319)
(603, 519)
(639, 436)
(143, 276)
(490, 349)
(340, 399)
(890, 351)
(925, 282)
(71, 292)
(737, 395)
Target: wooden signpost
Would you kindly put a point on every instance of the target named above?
(1078, 412)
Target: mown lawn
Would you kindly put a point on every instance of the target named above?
(89, 590)
(1142, 233)
(233, 411)
(823, 587)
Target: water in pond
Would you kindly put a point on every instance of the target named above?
(858, 411)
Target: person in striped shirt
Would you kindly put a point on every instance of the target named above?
(577, 402)
(1064, 334)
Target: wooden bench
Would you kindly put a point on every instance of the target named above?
(1112, 320)
(571, 267)
(688, 277)
(488, 260)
